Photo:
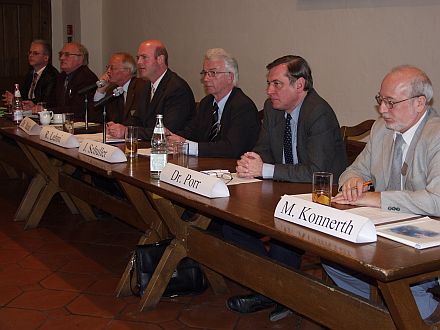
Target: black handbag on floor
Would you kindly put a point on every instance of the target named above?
(187, 279)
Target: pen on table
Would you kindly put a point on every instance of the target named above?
(365, 184)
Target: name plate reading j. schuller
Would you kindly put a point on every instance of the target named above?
(30, 127)
(55, 136)
(102, 151)
(334, 222)
(194, 181)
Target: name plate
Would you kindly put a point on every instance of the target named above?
(334, 222)
(194, 181)
(60, 138)
(30, 127)
(102, 151)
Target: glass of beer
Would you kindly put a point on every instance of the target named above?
(131, 141)
(322, 188)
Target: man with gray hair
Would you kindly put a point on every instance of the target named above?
(75, 75)
(402, 160)
(226, 124)
(120, 71)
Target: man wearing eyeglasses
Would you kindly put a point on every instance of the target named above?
(40, 81)
(75, 74)
(121, 71)
(402, 159)
(166, 93)
(300, 135)
(226, 124)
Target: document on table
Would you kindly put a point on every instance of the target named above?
(98, 138)
(237, 180)
(379, 216)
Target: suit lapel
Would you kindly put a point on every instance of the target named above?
(278, 130)
(387, 152)
(130, 98)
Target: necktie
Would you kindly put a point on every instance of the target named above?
(288, 155)
(33, 84)
(395, 182)
(215, 125)
(153, 90)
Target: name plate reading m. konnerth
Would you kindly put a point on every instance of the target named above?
(194, 181)
(102, 151)
(30, 127)
(334, 222)
(60, 138)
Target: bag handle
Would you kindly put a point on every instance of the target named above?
(132, 263)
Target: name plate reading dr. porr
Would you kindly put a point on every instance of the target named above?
(30, 127)
(334, 222)
(102, 151)
(60, 138)
(194, 181)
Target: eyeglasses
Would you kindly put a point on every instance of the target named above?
(211, 73)
(112, 68)
(226, 176)
(34, 53)
(67, 54)
(390, 104)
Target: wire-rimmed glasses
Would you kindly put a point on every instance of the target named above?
(389, 103)
(226, 176)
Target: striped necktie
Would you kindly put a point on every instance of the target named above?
(288, 155)
(31, 95)
(215, 125)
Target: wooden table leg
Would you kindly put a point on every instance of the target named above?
(24, 210)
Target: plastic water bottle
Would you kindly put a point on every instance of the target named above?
(17, 106)
(158, 158)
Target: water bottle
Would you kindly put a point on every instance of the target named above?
(17, 106)
(158, 158)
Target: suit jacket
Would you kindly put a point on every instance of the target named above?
(68, 100)
(45, 89)
(319, 143)
(239, 127)
(119, 112)
(173, 99)
(421, 184)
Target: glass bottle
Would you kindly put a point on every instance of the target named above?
(158, 158)
(17, 106)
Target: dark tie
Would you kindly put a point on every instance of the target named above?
(33, 84)
(215, 125)
(395, 182)
(288, 156)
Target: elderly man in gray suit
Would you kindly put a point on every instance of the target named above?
(300, 135)
(402, 158)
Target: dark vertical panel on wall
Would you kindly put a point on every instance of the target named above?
(20, 22)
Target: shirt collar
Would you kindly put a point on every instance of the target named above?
(295, 112)
(221, 104)
(157, 82)
(409, 134)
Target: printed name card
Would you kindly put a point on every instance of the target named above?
(30, 127)
(102, 151)
(194, 181)
(60, 138)
(334, 222)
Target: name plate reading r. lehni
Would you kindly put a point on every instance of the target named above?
(334, 222)
(102, 151)
(30, 127)
(55, 136)
(194, 181)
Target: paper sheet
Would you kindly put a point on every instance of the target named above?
(97, 137)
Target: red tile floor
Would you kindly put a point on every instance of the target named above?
(62, 274)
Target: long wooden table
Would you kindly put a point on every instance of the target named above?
(392, 265)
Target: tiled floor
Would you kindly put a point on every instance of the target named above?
(62, 276)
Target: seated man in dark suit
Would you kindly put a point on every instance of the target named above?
(75, 75)
(300, 135)
(40, 81)
(226, 124)
(166, 93)
(121, 71)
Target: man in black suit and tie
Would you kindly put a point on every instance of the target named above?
(166, 93)
(121, 71)
(226, 124)
(300, 135)
(40, 81)
(75, 75)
